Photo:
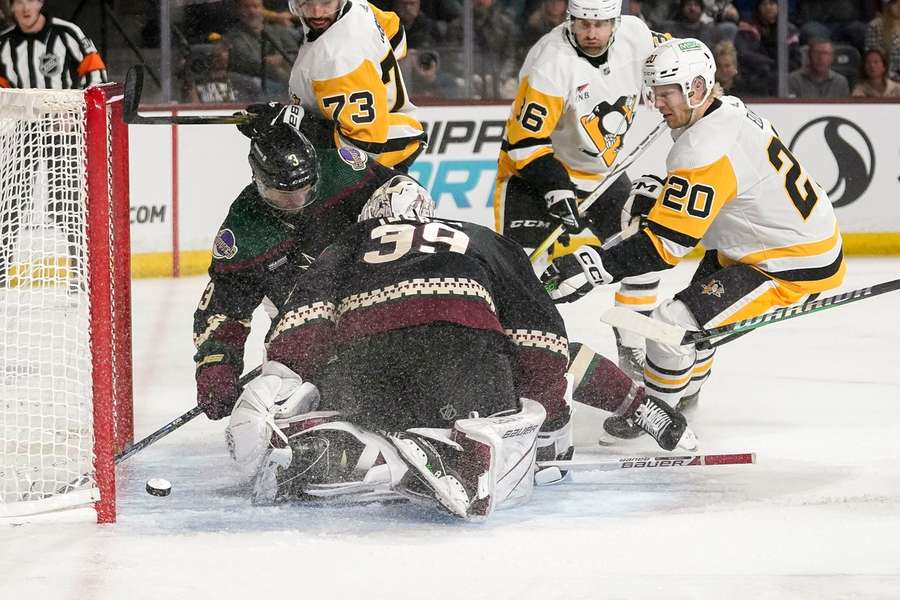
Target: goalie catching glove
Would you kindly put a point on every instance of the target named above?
(265, 116)
(570, 277)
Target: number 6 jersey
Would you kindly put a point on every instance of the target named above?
(735, 187)
(349, 74)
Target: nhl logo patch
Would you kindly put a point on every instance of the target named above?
(354, 157)
(448, 412)
(713, 288)
(225, 245)
(49, 64)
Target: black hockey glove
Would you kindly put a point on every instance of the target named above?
(570, 277)
(263, 117)
(563, 206)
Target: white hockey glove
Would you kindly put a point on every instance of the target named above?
(278, 393)
(644, 192)
(572, 276)
(563, 206)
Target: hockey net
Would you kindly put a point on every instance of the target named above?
(65, 314)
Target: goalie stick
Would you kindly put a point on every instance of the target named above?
(651, 462)
(134, 85)
(674, 335)
(620, 168)
(176, 423)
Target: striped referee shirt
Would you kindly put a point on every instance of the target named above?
(59, 56)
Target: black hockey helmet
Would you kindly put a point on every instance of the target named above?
(285, 168)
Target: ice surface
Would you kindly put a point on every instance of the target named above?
(818, 517)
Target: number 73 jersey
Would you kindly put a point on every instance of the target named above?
(734, 186)
(349, 74)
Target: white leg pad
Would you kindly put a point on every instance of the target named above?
(277, 393)
(511, 440)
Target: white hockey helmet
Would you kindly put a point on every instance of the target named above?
(402, 197)
(595, 10)
(680, 61)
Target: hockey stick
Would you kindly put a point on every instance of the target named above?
(679, 336)
(176, 423)
(134, 84)
(620, 168)
(651, 462)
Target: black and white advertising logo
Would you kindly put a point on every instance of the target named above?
(848, 172)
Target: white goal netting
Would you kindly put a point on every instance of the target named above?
(46, 419)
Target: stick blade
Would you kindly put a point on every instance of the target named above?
(134, 85)
(629, 320)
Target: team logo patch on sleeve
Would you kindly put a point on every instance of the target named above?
(354, 157)
(713, 288)
(225, 244)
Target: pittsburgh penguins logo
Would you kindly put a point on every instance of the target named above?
(607, 124)
(49, 64)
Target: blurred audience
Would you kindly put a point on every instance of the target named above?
(728, 75)
(757, 47)
(873, 81)
(246, 41)
(496, 64)
(837, 20)
(208, 79)
(421, 30)
(689, 23)
(883, 33)
(817, 79)
(545, 17)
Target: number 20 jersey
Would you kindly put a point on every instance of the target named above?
(349, 74)
(570, 106)
(735, 187)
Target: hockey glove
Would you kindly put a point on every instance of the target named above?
(572, 276)
(644, 192)
(263, 117)
(217, 389)
(563, 206)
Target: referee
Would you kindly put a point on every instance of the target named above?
(42, 51)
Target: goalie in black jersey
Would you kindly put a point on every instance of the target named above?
(299, 200)
(439, 357)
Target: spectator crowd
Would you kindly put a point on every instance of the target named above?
(242, 50)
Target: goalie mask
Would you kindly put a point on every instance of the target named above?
(400, 197)
(679, 61)
(592, 24)
(285, 168)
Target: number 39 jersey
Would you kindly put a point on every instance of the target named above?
(349, 74)
(734, 186)
(387, 274)
(575, 107)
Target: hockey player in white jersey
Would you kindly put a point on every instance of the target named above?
(733, 185)
(578, 93)
(346, 71)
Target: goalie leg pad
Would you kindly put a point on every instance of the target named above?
(554, 440)
(277, 393)
(510, 441)
(328, 458)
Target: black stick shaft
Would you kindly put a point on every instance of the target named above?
(176, 423)
(789, 312)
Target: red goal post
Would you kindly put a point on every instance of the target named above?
(65, 299)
